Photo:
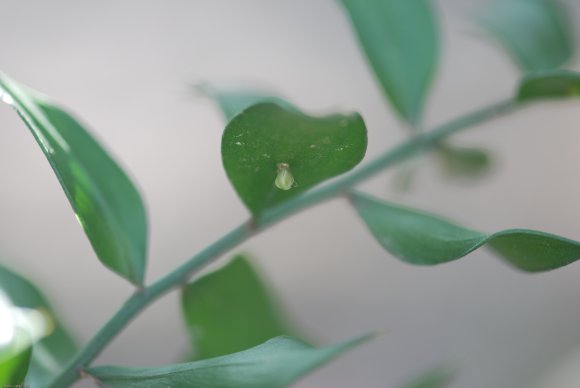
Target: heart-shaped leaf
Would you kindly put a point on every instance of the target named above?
(273, 364)
(536, 33)
(400, 39)
(424, 239)
(51, 353)
(272, 154)
(230, 310)
(105, 201)
(552, 84)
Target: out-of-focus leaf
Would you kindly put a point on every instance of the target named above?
(424, 239)
(20, 328)
(460, 163)
(267, 140)
(549, 85)
(234, 101)
(536, 33)
(230, 310)
(400, 39)
(273, 364)
(464, 162)
(50, 354)
(435, 378)
(405, 176)
(105, 201)
(14, 366)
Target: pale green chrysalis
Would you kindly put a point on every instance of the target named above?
(284, 179)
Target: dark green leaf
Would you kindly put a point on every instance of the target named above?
(14, 366)
(549, 85)
(232, 102)
(267, 140)
(435, 378)
(230, 310)
(274, 364)
(421, 238)
(105, 201)
(400, 39)
(51, 353)
(464, 162)
(536, 33)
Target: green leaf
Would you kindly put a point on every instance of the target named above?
(273, 364)
(424, 239)
(266, 140)
(232, 102)
(230, 310)
(14, 366)
(435, 378)
(536, 33)
(400, 39)
(552, 84)
(50, 354)
(462, 162)
(105, 201)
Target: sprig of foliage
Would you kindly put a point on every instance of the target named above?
(277, 159)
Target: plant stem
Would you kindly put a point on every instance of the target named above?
(143, 297)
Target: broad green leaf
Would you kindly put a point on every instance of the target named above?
(13, 367)
(549, 85)
(232, 102)
(230, 310)
(424, 239)
(50, 354)
(435, 378)
(536, 33)
(105, 201)
(273, 364)
(462, 162)
(266, 140)
(400, 39)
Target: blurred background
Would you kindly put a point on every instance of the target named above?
(127, 69)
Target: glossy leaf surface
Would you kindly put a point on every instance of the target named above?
(424, 239)
(258, 141)
(51, 353)
(536, 33)
(234, 101)
(230, 310)
(105, 201)
(549, 85)
(400, 40)
(273, 364)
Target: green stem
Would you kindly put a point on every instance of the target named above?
(143, 297)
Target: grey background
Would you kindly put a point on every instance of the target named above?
(126, 68)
